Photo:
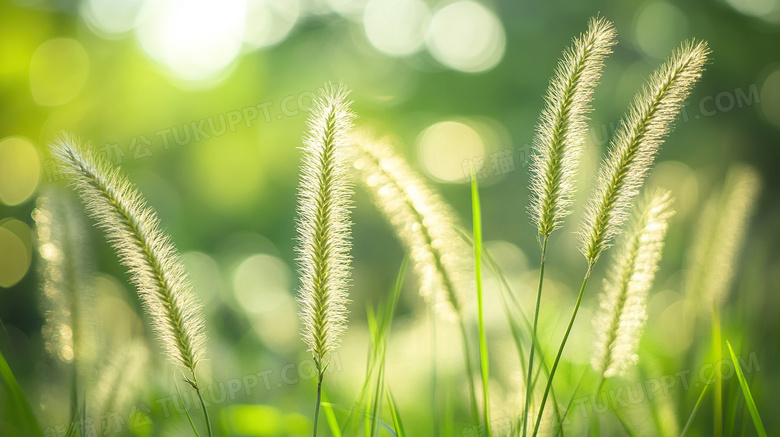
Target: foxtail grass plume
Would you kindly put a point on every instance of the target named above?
(325, 195)
(560, 135)
(133, 230)
(623, 305)
(422, 220)
(64, 270)
(634, 146)
(720, 235)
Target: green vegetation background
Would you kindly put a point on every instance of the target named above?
(232, 196)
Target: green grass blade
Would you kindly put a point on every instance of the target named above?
(483, 351)
(330, 416)
(568, 405)
(748, 396)
(449, 415)
(507, 296)
(735, 402)
(626, 426)
(18, 401)
(717, 348)
(397, 422)
(695, 408)
(379, 323)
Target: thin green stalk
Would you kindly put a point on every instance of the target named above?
(568, 405)
(186, 410)
(333, 423)
(194, 383)
(506, 290)
(560, 349)
(626, 426)
(17, 404)
(594, 420)
(600, 386)
(483, 351)
(319, 399)
(717, 348)
(695, 408)
(749, 402)
(433, 373)
(528, 388)
(397, 423)
(469, 371)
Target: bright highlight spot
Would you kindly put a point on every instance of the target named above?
(756, 8)
(15, 251)
(466, 36)
(111, 17)
(20, 170)
(268, 22)
(195, 39)
(58, 71)
(660, 15)
(350, 9)
(447, 148)
(262, 287)
(770, 98)
(396, 27)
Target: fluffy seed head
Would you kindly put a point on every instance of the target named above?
(720, 234)
(421, 219)
(560, 134)
(634, 146)
(623, 304)
(132, 228)
(324, 224)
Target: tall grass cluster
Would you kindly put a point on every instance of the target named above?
(446, 258)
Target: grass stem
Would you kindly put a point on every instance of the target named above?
(483, 351)
(528, 385)
(319, 400)
(717, 349)
(469, 371)
(202, 404)
(560, 349)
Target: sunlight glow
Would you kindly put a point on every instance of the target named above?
(195, 40)
(396, 27)
(445, 147)
(268, 22)
(19, 170)
(466, 36)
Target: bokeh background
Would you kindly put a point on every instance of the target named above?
(203, 104)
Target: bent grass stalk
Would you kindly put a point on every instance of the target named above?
(324, 229)
(156, 271)
(630, 157)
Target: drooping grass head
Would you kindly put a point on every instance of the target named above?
(133, 229)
